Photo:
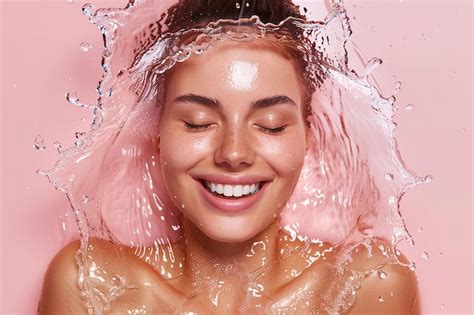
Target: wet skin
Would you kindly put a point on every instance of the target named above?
(231, 115)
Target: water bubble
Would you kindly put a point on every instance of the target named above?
(420, 229)
(70, 1)
(389, 177)
(28, 187)
(85, 199)
(440, 253)
(83, 119)
(410, 107)
(247, 4)
(175, 227)
(14, 86)
(442, 306)
(39, 143)
(237, 5)
(412, 266)
(381, 299)
(382, 274)
(85, 46)
(425, 255)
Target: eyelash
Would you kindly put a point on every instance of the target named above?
(274, 130)
(196, 127)
(203, 127)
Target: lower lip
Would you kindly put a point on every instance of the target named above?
(231, 205)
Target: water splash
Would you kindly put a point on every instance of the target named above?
(112, 165)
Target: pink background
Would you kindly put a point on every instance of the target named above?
(426, 45)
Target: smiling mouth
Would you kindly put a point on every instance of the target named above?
(231, 191)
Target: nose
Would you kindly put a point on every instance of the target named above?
(235, 149)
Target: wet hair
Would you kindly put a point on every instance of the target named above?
(190, 13)
(187, 14)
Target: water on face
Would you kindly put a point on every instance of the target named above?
(348, 193)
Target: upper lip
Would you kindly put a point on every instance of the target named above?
(234, 179)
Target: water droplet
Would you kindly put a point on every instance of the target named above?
(410, 107)
(389, 177)
(247, 4)
(398, 86)
(57, 145)
(88, 10)
(420, 229)
(441, 253)
(28, 187)
(442, 306)
(39, 143)
(381, 299)
(85, 199)
(237, 5)
(182, 206)
(382, 274)
(175, 227)
(427, 179)
(83, 119)
(85, 46)
(412, 266)
(425, 255)
(80, 134)
(14, 86)
(463, 130)
(70, 1)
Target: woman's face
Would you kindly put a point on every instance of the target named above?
(232, 138)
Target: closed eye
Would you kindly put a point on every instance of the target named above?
(195, 127)
(273, 130)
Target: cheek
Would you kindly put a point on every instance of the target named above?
(180, 151)
(285, 155)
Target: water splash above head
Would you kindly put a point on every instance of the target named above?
(353, 177)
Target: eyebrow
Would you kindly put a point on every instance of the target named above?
(213, 103)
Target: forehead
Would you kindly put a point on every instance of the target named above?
(236, 68)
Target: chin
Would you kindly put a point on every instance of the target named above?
(232, 229)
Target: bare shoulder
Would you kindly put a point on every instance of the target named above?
(390, 289)
(61, 293)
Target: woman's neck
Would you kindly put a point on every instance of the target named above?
(209, 257)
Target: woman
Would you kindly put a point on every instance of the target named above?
(234, 130)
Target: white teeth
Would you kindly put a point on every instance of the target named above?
(228, 191)
(219, 189)
(232, 190)
(246, 190)
(238, 191)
